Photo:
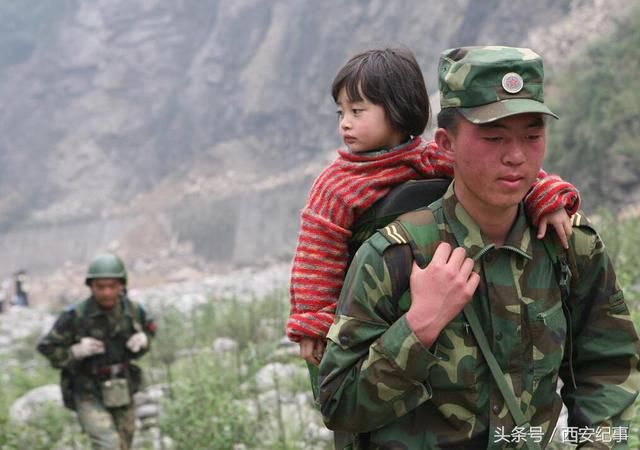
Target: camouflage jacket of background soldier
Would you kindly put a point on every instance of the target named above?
(87, 319)
(379, 381)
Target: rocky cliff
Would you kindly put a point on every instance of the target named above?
(169, 127)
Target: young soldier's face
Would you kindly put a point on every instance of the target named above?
(364, 125)
(495, 164)
(106, 291)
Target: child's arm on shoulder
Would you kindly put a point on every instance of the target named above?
(552, 201)
(560, 221)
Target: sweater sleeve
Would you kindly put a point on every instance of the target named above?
(548, 194)
(317, 275)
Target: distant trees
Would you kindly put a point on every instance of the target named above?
(595, 144)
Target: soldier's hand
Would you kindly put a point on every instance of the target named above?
(440, 291)
(312, 349)
(138, 342)
(561, 222)
(87, 346)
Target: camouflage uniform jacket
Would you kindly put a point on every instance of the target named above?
(380, 383)
(92, 321)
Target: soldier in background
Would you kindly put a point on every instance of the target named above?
(403, 370)
(93, 343)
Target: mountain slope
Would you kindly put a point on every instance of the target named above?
(204, 121)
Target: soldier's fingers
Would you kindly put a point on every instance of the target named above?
(542, 228)
(99, 349)
(441, 255)
(457, 257)
(472, 284)
(466, 268)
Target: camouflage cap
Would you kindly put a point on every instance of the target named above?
(489, 83)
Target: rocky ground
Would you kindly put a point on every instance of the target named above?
(271, 387)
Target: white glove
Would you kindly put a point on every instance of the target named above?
(87, 346)
(137, 342)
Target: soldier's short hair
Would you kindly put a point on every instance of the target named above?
(391, 78)
(449, 119)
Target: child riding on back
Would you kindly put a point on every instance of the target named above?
(383, 108)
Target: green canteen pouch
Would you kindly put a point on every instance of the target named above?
(115, 392)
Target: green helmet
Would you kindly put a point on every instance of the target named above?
(106, 265)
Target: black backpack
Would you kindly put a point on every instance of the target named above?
(410, 195)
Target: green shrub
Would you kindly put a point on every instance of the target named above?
(203, 412)
(53, 426)
(598, 101)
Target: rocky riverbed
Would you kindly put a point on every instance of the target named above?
(275, 390)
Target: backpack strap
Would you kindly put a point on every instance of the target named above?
(79, 313)
(566, 273)
(135, 311)
(499, 377)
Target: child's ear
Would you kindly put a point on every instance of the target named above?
(444, 141)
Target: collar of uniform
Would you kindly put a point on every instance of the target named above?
(469, 236)
(94, 310)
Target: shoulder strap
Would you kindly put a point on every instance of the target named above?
(135, 311)
(564, 262)
(566, 272)
(498, 375)
(79, 310)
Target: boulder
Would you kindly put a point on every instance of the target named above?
(31, 405)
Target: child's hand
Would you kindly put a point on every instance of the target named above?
(312, 349)
(561, 221)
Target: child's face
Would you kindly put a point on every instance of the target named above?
(364, 126)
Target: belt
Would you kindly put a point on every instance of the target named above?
(113, 370)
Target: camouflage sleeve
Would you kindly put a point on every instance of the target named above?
(55, 345)
(605, 343)
(374, 368)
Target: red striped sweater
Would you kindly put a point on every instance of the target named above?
(347, 188)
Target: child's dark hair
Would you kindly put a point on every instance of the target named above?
(390, 78)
